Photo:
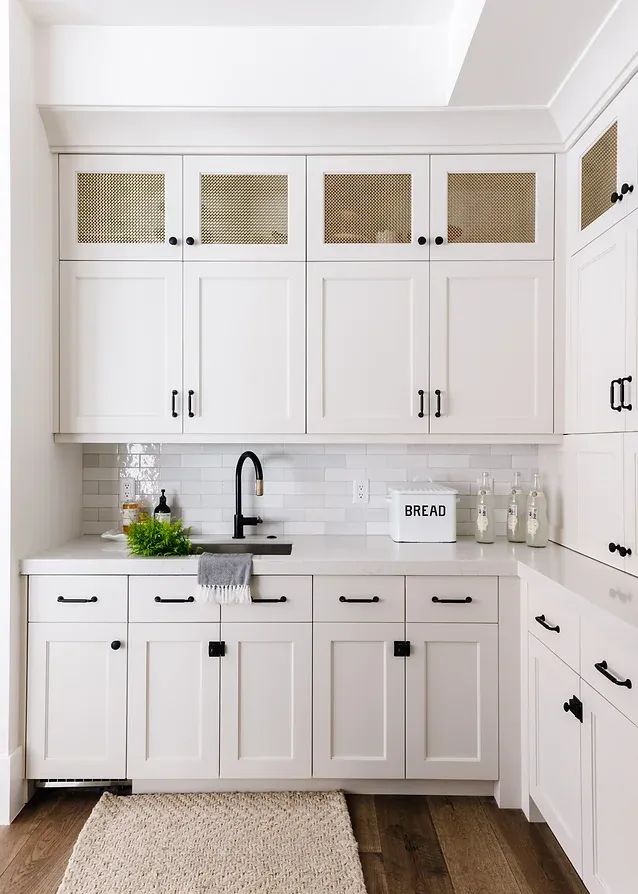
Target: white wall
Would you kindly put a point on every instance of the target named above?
(40, 486)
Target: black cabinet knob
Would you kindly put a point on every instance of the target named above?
(115, 645)
(613, 547)
(622, 552)
(625, 188)
(439, 240)
(172, 240)
(422, 240)
(190, 240)
(616, 197)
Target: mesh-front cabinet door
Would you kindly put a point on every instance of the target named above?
(370, 207)
(120, 207)
(244, 208)
(492, 207)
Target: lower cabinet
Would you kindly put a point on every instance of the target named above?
(76, 710)
(452, 701)
(359, 697)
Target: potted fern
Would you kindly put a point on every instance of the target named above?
(150, 537)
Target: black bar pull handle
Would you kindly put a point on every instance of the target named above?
(421, 394)
(173, 399)
(603, 668)
(276, 599)
(464, 601)
(348, 599)
(540, 619)
(623, 405)
(612, 396)
(438, 402)
(76, 601)
(166, 601)
(191, 394)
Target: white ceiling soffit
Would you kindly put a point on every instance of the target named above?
(224, 13)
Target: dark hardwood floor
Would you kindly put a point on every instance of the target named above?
(408, 845)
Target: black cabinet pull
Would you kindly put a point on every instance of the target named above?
(172, 240)
(166, 601)
(276, 599)
(115, 645)
(437, 392)
(216, 649)
(616, 197)
(190, 240)
(402, 648)
(173, 399)
(575, 706)
(613, 547)
(191, 394)
(602, 668)
(625, 188)
(621, 550)
(540, 619)
(464, 601)
(347, 599)
(422, 240)
(77, 601)
(623, 405)
(439, 240)
(421, 394)
(612, 402)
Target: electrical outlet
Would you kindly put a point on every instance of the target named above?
(360, 491)
(127, 489)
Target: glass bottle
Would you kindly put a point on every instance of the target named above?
(162, 510)
(537, 525)
(516, 510)
(484, 529)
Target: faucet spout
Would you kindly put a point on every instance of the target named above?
(240, 520)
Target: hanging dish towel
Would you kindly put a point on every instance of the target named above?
(225, 577)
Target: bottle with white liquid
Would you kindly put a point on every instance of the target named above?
(537, 525)
(484, 529)
(516, 510)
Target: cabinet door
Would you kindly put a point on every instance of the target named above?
(492, 207)
(630, 501)
(109, 382)
(610, 797)
(266, 708)
(491, 344)
(596, 315)
(120, 207)
(593, 485)
(367, 348)
(244, 354)
(245, 208)
(76, 704)
(372, 208)
(452, 701)
(173, 703)
(358, 704)
(554, 747)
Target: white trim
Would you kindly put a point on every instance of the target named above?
(355, 786)
(13, 787)
(508, 788)
(352, 438)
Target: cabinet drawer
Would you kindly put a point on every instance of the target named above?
(76, 597)
(609, 649)
(364, 598)
(275, 598)
(450, 599)
(554, 620)
(168, 598)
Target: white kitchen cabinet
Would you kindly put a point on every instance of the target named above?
(491, 347)
(249, 208)
(610, 797)
(554, 746)
(120, 207)
(358, 703)
(76, 710)
(368, 208)
(266, 701)
(244, 348)
(109, 381)
(452, 701)
(367, 348)
(492, 207)
(173, 701)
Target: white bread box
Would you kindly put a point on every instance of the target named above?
(423, 515)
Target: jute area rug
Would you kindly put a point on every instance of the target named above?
(240, 843)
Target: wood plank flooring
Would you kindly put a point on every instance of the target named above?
(408, 845)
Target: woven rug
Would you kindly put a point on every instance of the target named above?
(252, 843)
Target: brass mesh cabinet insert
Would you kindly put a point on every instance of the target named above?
(120, 208)
(491, 207)
(367, 208)
(244, 209)
(598, 176)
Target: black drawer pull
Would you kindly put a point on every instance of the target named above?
(623, 381)
(191, 394)
(612, 396)
(540, 619)
(421, 394)
(77, 601)
(347, 599)
(438, 402)
(173, 409)
(602, 668)
(161, 599)
(465, 601)
(276, 599)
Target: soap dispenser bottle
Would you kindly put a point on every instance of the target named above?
(162, 510)
(484, 529)
(516, 509)
(537, 524)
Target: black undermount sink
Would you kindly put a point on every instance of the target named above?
(257, 549)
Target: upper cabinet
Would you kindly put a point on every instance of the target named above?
(120, 207)
(370, 207)
(244, 208)
(492, 207)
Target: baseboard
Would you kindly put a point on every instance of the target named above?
(355, 786)
(13, 787)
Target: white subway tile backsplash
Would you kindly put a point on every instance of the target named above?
(308, 487)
